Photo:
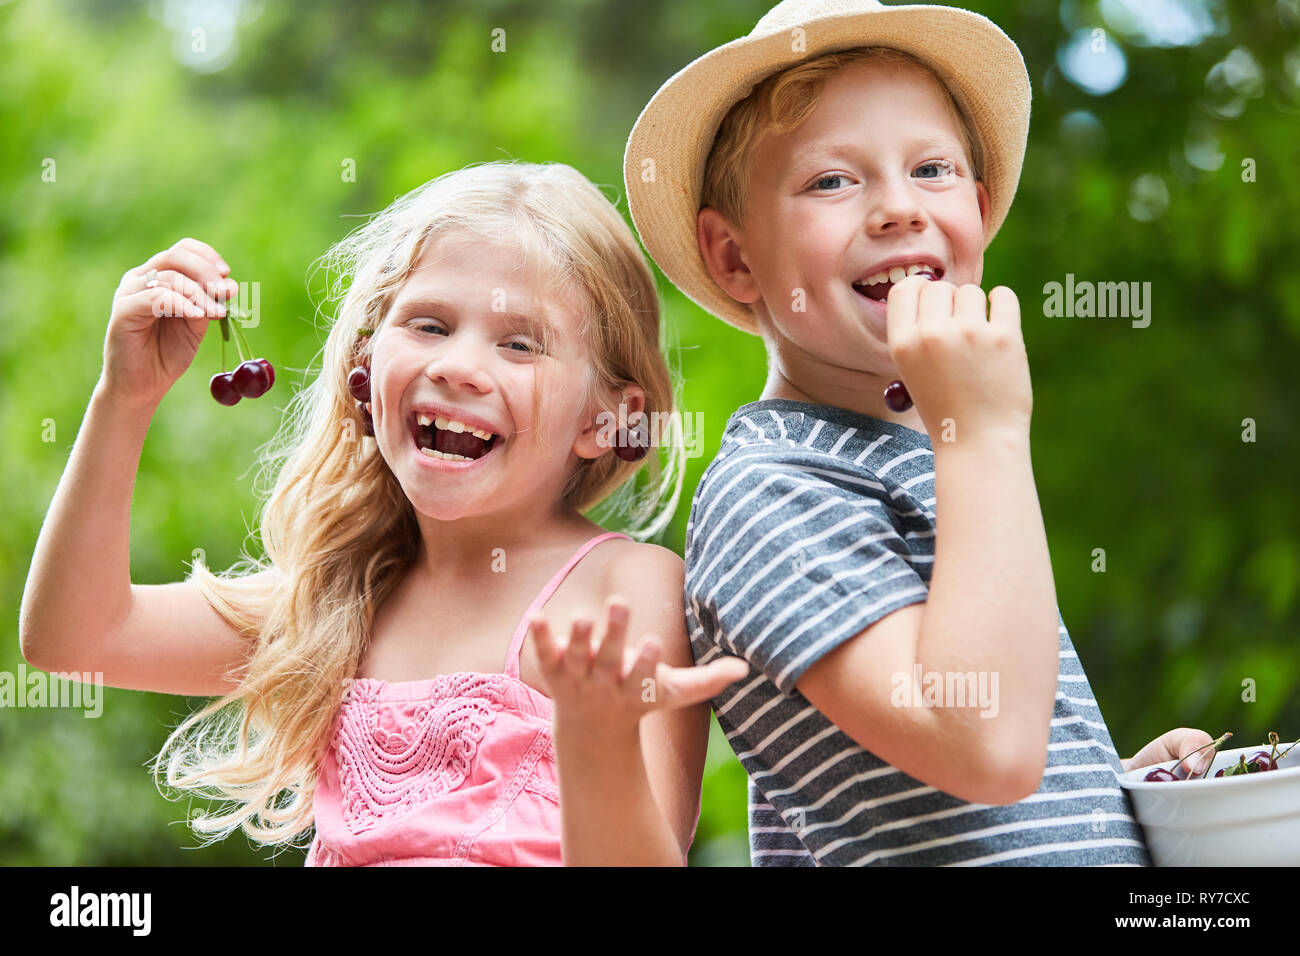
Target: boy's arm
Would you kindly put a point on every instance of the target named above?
(991, 608)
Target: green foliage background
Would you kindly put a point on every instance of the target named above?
(1138, 445)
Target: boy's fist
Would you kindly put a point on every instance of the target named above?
(961, 356)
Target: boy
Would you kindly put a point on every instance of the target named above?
(914, 699)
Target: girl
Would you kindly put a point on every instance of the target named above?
(372, 674)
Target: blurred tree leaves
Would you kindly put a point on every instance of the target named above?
(1137, 433)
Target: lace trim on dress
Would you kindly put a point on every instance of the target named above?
(394, 756)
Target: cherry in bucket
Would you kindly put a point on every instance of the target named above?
(1261, 761)
(1161, 775)
(254, 376)
(1258, 762)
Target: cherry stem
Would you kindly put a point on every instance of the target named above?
(1216, 744)
(225, 337)
(1285, 752)
(240, 343)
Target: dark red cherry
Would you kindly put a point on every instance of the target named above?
(1260, 761)
(223, 390)
(896, 397)
(270, 372)
(250, 379)
(359, 384)
(1159, 775)
(1219, 774)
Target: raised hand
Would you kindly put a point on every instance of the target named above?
(961, 355)
(604, 683)
(154, 331)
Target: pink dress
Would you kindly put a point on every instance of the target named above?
(455, 770)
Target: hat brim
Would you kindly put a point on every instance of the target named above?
(663, 165)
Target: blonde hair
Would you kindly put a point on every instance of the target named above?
(337, 527)
(781, 103)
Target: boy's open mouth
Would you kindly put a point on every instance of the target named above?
(449, 439)
(877, 285)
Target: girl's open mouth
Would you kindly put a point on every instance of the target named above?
(451, 441)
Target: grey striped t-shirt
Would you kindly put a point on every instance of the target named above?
(812, 523)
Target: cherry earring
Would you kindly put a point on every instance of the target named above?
(896, 397)
(359, 386)
(632, 445)
(359, 383)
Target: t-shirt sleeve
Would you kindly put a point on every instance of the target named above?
(787, 559)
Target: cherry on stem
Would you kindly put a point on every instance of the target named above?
(1215, 744)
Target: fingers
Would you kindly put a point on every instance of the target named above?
(181, 283)
(205, 250)
(199, 254)
(577, 654)
(935, 308)
(162, 301)
(684, 686)
(548, 653)
(1004, 310)
(901, 310)
(924, 308)
(609, 656)
(644, 668)
(1186, 742)
(970, 304)
(155, 303)
(196, 260)
(575, 657)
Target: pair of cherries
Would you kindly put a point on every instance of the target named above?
(254, 376)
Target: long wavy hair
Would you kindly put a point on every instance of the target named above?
(336, 526)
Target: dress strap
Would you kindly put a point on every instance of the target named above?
(521, 631)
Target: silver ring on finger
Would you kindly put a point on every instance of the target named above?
(151, 279)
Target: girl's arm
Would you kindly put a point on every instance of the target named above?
(631, 723)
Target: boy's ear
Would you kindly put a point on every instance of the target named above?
(719, 243)
(601, 429)
(986, 205)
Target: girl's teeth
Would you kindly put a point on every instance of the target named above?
(897, 274)
(434, 453)
(424, 421)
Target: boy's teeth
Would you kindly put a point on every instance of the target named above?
(896, 274)
(433, 453)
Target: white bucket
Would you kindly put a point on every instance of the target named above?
(1244, 820)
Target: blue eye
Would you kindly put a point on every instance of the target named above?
(942, 164)
(834, 178)
(527, 347)
(429, 325)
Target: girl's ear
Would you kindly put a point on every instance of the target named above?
(601, 430)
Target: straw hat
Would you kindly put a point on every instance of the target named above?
(663, 166)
